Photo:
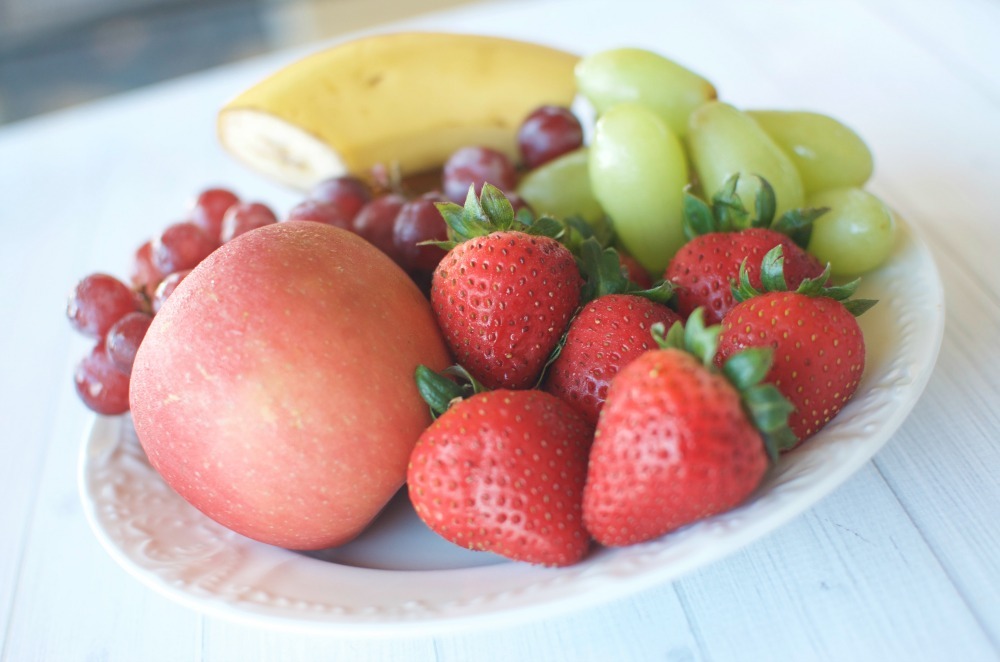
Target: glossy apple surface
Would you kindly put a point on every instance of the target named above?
(274, 390)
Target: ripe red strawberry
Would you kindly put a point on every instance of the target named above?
(722, 237)
(819, 350)
(674, 443)
(704, 267)
(503, 471)
(504, 295)
(608, 334)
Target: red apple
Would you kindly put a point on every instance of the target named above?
(274, 390)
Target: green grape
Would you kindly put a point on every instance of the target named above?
(827, 153)
(632, 74)
(638, 172)
(856, 235)
(724, 141)
(561, 188)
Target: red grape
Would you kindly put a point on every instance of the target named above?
(321, 212)
(124, 336)
(167, 287)
(419, 220)
(97, 302)
(209, 209)
(548, 132)
(375, 222)
(101, 386)
(474, 166)
(347, 192)
(244, 217)
(181, 246)
(145, 276)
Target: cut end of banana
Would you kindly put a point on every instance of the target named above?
(277, 149)
(407, 100)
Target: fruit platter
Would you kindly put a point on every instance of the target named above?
(529, 350)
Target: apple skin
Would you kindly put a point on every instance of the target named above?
(274, 390)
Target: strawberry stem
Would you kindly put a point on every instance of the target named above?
(700, 340)
(672, 339)
(728, 208)
(490, 212)
(797, 223)
(693, 337)
(772, 277)
(763, 403)
(698, 217)
(494, 205)
(765, 204)
(441, 390)
(603, 273)
(579, 230)
(727, 213)
(749, 367)
(769, 410)
(465, 379)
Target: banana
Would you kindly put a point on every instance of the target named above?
(404, 100)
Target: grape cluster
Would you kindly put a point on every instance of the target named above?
(545, 134)
(385, 217)
(117, 315)
(661, 129)
(400, 224)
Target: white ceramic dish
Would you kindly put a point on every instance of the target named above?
(399, 578)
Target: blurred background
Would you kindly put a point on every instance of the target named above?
(58, 53)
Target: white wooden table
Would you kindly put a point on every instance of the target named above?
(900, 563)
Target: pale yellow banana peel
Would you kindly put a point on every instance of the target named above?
(404, 101)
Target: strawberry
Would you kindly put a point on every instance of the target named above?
(678, 441)
(723, 235)
(503, 471)
(607, 333)
(505, 292)
(604, 337)
(819, 350)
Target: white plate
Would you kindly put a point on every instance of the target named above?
(399, 578)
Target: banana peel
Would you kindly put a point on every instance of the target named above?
(404, 101)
